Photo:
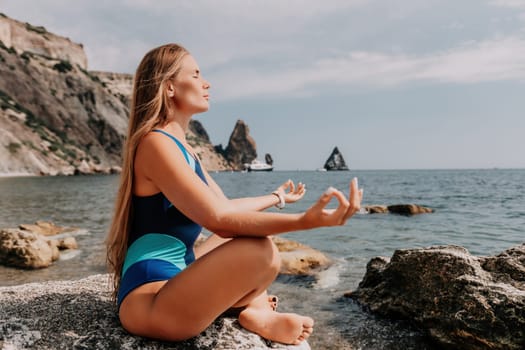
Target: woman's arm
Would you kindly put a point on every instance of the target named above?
(169, 172)
(265, 201)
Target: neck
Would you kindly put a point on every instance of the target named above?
(178, 125)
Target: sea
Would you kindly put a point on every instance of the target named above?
(482, 210)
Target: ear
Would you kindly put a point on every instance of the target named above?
(170, 88)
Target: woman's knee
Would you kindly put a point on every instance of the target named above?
(263, 251)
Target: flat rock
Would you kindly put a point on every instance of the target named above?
(80, 315)
(24, 249)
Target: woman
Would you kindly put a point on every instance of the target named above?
(163, 289)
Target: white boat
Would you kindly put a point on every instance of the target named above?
(257, 165)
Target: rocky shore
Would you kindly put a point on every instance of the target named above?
(80, 315)
(460, 300)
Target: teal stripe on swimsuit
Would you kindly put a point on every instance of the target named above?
(156, 246)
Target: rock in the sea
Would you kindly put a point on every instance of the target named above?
(80, 315)
(463, 301)
(34, 246)
(25, 249)
(46, 228)
(241, 147)
(299, 259)
(335, 161)
(402, 209)
(376, 209)
(409, 209)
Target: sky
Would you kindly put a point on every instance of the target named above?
(399, 84)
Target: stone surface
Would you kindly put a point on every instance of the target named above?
(299, 259)
(34, 246)
(80, 315)
(462, 301)
(402, 209)
(25, 249)
(241, 148)
(46, 228)
(409, 209)
(335, 161)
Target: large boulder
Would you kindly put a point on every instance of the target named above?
(26, 249)
(463, 301)
(298, 258)
(34, 246)
(80, 315)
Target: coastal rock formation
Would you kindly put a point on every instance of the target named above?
(335, 161)
(402, 209)
(58, 118)
(299, 259)
(463, 301)
(34, 246)
(24, 37)
(55, 117)
(80, 315)
(241, 147)
(200, 141)
(25, 249)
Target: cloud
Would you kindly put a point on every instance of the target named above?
(473, 62)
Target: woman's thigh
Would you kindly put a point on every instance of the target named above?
(186, 304)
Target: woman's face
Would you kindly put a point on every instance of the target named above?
(190, 90)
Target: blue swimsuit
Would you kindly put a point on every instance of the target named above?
(161, 238)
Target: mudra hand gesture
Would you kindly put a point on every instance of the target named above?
(294, 193)
(317, 215)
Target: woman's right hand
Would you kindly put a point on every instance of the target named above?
(317, 215)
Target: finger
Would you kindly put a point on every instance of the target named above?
(354, 199)
(324, 199)
(342, 208)
(292, 186)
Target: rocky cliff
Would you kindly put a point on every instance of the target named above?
(56, 117)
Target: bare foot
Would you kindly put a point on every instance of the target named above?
(284, 328)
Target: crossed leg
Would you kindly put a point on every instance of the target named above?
(234, 274)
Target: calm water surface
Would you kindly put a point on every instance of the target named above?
(482, 210)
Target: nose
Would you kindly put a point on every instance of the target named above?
(206, 84)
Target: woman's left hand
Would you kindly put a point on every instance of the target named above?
(294, 193)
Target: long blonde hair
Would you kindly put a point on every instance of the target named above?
(149, 109)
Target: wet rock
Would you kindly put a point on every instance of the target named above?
(299, 259)
(335, 161)
(376, 209)
(408, 209)
(24, 249)
(34, 246)
(462, 301)
(45, 228)
(80, 315)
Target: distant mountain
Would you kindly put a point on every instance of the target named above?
(56, 117)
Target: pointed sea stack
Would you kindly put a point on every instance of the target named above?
(241, 148)
(335, 161)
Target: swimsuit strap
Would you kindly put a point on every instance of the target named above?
(187, 155)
